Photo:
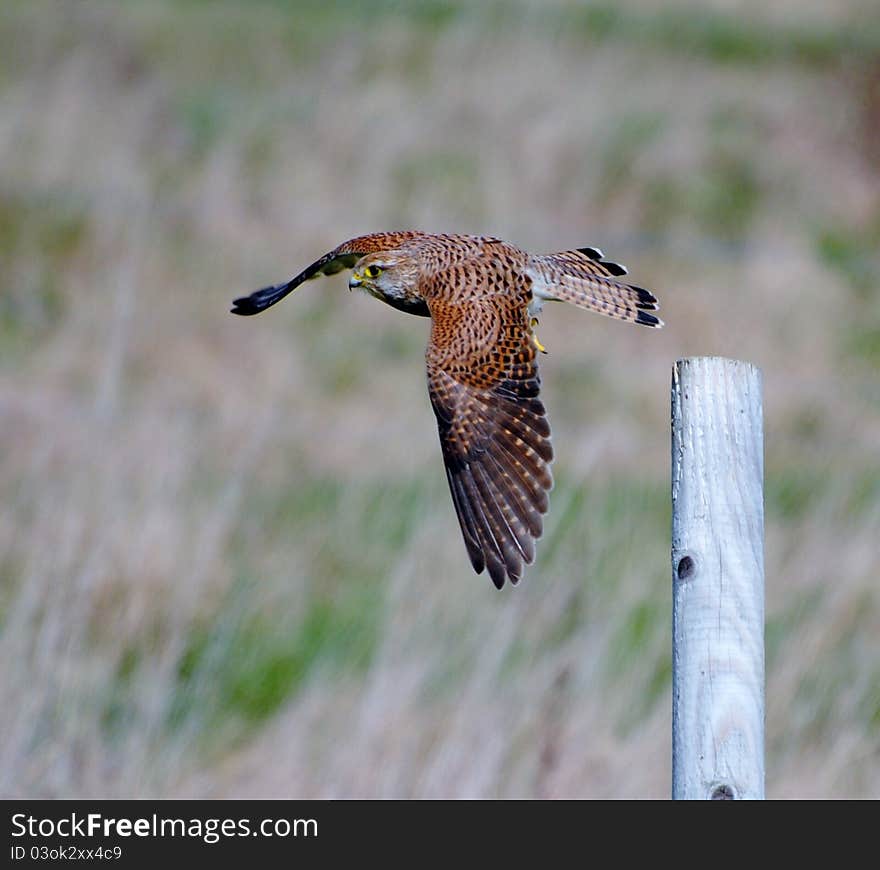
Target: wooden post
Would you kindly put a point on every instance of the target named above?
(717, 580)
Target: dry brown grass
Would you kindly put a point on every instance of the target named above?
(228, 564)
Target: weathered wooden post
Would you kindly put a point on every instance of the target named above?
(717, 580)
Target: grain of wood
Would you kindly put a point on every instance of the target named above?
(718, 580)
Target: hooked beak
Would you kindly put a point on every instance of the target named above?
(355, 281)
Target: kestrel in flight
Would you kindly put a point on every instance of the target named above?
(483, 296)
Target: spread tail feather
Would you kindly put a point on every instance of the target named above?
(584, 279)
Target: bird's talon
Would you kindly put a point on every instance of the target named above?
(533, 324)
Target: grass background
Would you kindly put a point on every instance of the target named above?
(229, 565)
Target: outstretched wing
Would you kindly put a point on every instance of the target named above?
(343, 257)
(483, 383)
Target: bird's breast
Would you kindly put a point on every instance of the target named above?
(408, 304)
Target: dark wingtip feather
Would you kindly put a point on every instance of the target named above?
(244, 306)
(592, 253)
(260, 300)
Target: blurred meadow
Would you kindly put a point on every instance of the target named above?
(229, 563)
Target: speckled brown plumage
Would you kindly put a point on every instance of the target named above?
(482, 295)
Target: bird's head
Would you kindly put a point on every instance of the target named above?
(389, 272)
(389, 276)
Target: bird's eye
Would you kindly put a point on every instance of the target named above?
(372, 272)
